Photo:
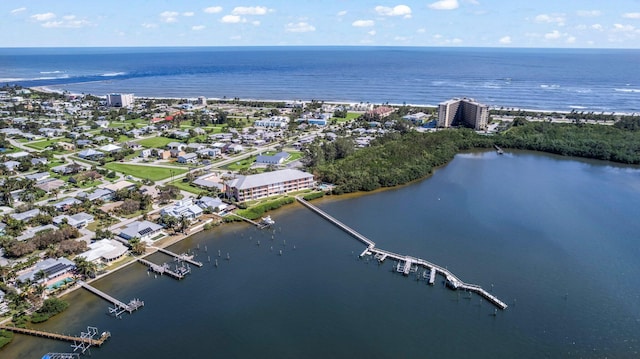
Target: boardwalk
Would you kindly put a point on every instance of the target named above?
(68, 338)
(406, 263)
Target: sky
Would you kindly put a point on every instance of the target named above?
(464, 23)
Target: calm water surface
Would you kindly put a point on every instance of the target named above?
(556, 238)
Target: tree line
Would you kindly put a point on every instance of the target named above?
(398, 158)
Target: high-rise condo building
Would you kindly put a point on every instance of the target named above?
(120, 100)
(464, 111)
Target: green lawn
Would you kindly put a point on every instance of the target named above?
(185, 186)
(155, 142)
(41, 145)
(149, 172)
(350, 116)
(241, 164)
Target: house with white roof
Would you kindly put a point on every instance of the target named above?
(105, 251)
(78, 220)
(183, 208)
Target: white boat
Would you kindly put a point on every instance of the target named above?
(266, 222)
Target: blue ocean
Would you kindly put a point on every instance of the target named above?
(542, 79)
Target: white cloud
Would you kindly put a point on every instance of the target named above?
(255, 23)
(597, 27)
(363, 23)
(631, 15)
(188, 13)
(232, 19)
(399, 10)
(18, 10)
(372, 32)
(44, 17)
(249, 10)
(299, 27)
(213, 9)
(456, 41)
(570, 40)
(551, 18)
(70, 24)
(505, 40)
(169, 16)
(236, 37)
(555, 34)
(198, 27)
(589, 13)
(342, 13)
(623, 28)
(149, 26)
(400, 38)
(69, 17)
(444, 5)
(421, 30)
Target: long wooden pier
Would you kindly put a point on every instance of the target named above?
(405, 263)
(182, 257)
(119, 307)
(68, 338)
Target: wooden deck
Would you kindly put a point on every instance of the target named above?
(68, 338)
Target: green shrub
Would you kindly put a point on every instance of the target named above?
(5, 337)
(50, 307)
(312, 196)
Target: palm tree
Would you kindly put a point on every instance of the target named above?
(85, 267)
(137, 246)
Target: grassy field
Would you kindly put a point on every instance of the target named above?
(155, 142)
(185, 186)
(350, 116)
(241, 164)
(41, 145)
(145, 172)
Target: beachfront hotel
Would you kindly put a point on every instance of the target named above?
(244, 188)
(463, 111)
(120, 100)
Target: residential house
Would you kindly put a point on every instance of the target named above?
(11, 165)
(213, 204)
(184, 208)
(110, 148)
(176, 146)
(90, 154)
(105, 251)
(209, 152)
(78, 220)
(31, 232)
(25, 216)
(102, 194)
(51, 268)
(65, 204)
(276, 159)
(144, 230)
(188, 158)
(39, 161)
(50, 184)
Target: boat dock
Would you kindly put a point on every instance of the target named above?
(261, 225)
(119, 307)
(68, 338)
(182, 257)
(407, 264)
(179, 273)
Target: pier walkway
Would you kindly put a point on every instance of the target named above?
(405, 263)
(340, 225)
(68, 338)
(182, 257)
(119, 307)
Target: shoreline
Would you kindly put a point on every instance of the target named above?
(46, 89)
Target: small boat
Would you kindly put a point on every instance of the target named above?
(266, 222)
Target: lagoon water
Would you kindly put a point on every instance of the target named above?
(556, 238)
